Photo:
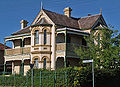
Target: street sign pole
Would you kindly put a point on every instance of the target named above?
(31, 66)
(91, 61)
(93, 72)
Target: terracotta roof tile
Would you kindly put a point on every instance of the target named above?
(83, 22)
(27, 30)
(62, 19)
(59, 19)
(88, 22)
(2, 47)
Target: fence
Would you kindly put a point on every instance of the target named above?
(36, 79)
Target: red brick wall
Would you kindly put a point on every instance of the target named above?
(1, 56)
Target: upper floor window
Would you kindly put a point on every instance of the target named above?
(36, 36)
(45, 36)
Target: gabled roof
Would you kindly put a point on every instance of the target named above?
(2, 47)
(60, 19)
(88, 22)
(80, 23)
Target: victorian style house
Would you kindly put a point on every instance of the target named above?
(49, 41)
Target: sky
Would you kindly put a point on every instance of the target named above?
(13, 11)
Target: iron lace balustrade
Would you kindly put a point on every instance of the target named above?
(17, 51)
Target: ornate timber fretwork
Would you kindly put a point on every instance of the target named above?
(17, 57)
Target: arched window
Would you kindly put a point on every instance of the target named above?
(45, 36)
(36, 37)
(44, 63)
(36, 63)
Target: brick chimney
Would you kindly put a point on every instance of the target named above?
(89, 14)
(67, 11)
(23, 23)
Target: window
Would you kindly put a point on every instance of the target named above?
(44, 63)
(36, 63)
(37, 37)
(45, 36)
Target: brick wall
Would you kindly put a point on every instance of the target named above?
(1, 60)
(1, 56)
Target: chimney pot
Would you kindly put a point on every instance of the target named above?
(23, 23)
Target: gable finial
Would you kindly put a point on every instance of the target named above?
(100, 11)
(41, 6)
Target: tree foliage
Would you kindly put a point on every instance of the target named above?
(103, 46)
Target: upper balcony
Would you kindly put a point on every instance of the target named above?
(68, 40)
(18, 51)
(20, 45)
(68, 49)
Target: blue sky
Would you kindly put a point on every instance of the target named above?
(13, 11)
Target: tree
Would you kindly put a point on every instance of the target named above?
(103, 46)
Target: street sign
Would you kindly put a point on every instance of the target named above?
(31, 66)
(87, 61)
(91, 61)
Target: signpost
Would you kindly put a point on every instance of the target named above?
(90, 61)
(31, 66)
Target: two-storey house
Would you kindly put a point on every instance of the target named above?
(49, 41)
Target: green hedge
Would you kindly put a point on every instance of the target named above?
(13, 80)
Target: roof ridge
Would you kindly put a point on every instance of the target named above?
(89, 20)
(54, 12)
(90, 16)
(62, 19)
(63, 15)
